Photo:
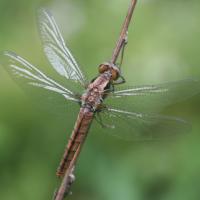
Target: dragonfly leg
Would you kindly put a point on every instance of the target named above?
(100, 121)
(121, 80)
(125, 42)
(106, 92)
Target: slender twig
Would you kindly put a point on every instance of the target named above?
(65, 186)
(69, 177)
(123, 35)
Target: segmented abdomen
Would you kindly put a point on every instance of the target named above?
(76, 140)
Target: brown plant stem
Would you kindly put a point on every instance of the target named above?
(68, 179)
(123, 35)
(65, 186)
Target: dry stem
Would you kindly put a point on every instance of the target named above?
(123, 35)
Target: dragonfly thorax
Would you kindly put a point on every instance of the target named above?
(95, 92)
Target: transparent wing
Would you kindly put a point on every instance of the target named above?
(140, 126)
(56, 51)
(153, 98)
(22, 70)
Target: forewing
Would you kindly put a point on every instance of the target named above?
(56, 51)
(140, 126)
(27, 74)
(153, 98)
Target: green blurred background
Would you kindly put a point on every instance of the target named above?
(164, 45)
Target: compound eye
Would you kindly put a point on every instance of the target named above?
(115, 75)
(103, 68)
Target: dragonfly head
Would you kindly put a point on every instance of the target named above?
(112, 68)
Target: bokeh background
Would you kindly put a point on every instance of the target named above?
(164, 45)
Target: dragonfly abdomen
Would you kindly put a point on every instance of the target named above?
(76, 141)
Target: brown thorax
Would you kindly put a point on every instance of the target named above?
(94, 94)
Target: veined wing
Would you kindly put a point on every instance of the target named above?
(29, 74)
(141, 126)
(153, 98)
(56, 51)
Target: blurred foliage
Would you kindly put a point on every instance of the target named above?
(164, 45)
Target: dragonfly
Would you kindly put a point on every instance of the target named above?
(131, 113)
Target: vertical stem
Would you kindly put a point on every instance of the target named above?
(67, 179)
(124, 31)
